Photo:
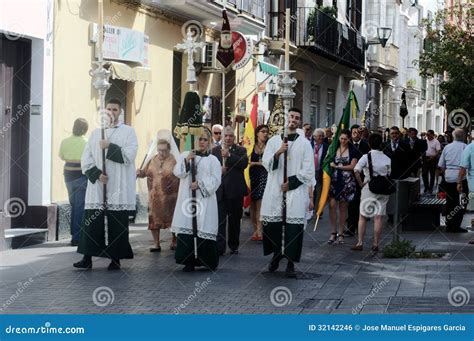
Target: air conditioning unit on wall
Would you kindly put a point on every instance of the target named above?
(206, 56)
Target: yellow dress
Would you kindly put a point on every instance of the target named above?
(162, 192)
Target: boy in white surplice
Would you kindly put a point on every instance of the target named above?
(121, 146)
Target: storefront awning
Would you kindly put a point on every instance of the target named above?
(131, 74)
(268, 68)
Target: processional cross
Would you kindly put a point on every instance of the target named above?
(189, 45)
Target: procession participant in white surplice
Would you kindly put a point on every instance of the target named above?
(207, 181)
(120, 146)
(300, 170)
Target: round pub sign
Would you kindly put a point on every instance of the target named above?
(242, 46)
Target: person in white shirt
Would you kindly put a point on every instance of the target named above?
(450, 164)
(371, 204)
(430, 161)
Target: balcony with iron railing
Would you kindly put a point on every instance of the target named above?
(251, 8)
(322, 34)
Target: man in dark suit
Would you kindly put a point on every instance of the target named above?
(308, 133)
(417, 150)
(232, 190)
(397, 150)
(320, 150)
(361, 147)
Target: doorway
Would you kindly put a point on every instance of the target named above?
(15, 74)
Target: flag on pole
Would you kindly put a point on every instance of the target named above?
(249, 142)
(225, 50)
(350, 108)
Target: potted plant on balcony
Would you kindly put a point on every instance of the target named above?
(411, 83)
(311, 25)
(329, 10)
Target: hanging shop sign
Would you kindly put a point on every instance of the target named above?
(242, 49)
(123, 44)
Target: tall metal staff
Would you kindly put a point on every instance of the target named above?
(100, 81)
(193, 31)
(286, 84)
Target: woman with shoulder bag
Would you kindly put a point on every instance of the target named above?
(376, 168)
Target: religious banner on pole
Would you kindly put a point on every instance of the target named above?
(225, 50)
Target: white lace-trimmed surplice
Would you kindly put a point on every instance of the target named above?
(208, 176)
(121, 190)
(301, 164)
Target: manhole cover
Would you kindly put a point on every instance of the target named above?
(409, 304)
(317, 303)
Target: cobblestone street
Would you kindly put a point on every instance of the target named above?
(331, 279)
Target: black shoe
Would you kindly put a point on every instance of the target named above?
(83, 264)
(114, 265)
(188, 268)
(290, 270)
(275, 262)
(234, 252)
(74, 242)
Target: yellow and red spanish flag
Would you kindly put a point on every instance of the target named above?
(351, 108)
(248, 142)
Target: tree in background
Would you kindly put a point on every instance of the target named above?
(449, 47)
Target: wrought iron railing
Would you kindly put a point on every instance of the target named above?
(323, 34)
(253, 8)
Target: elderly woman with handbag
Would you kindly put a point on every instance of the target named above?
(375, 190)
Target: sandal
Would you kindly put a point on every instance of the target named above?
(340, 238)
(332, 241)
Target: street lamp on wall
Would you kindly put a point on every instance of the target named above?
(383, 34)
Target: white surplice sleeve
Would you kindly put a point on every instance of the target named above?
(180, 170)
(87, 158)
(130, 148)
(209, 183)
(306, 173)
(269, 153)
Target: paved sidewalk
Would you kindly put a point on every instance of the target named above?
(331, 279)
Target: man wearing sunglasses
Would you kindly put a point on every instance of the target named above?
(216, 135)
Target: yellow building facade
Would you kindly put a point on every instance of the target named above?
(149, 105)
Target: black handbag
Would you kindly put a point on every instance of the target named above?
(379, 184)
